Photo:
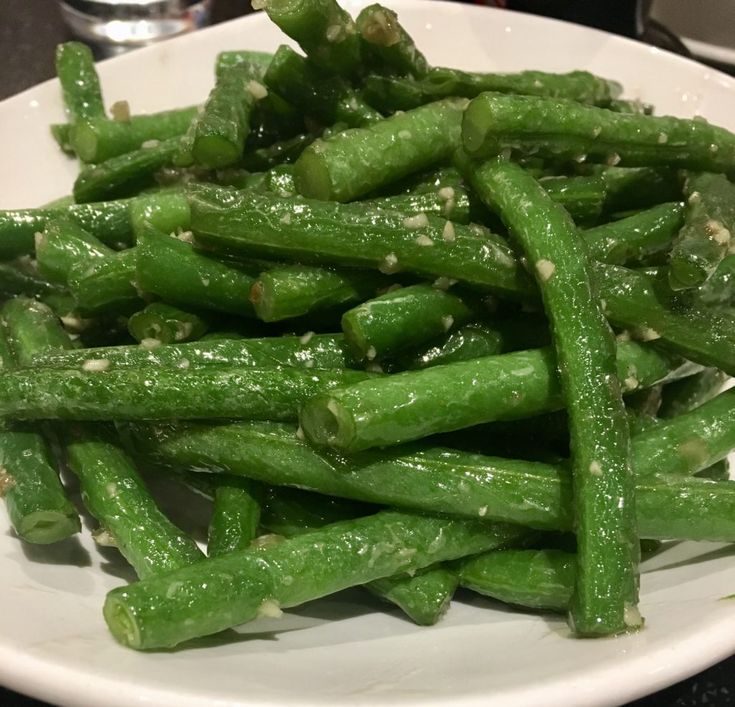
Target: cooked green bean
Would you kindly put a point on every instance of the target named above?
(323, 97)
(235, 515)
(308, 351)
(404, 318)
(99, 139)
(288, 291)
(412, 405)
(166, 324)
(387, 47)
(80, 85)
(226, 59)
(329, 233)
(493, 122)
(22, 278)
(356, 162)
(689, 393)
(704, 239)
(165, 611)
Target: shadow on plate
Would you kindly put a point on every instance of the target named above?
(66, 552)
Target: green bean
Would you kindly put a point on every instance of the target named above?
(308, 351)
(279, 181)
(323, 30)
(423, 597)
(116, 496)
(412, 405)
(538, 579)
(451, 202)
(404, 318)
(432, 479)
(125, 174)
(494, 121)
(217, 134)
(165, 211)
(108, 221)
(99, 139)
(32, 329)
(689, 393)
(37, 505)
(635, 301)
(387, 45)
(355, 162)
(95, 393)
(704, 239)
(636, 237)
(61, 133)
(390, 93)
(288, 291)
(692, 440)
(329, 233)
(106, 285)
(606, 592)
(583, 197)
(166, 324)
(163, 612)
(235, 515)
(323, 97)
(259, 60)
(173, 270)
(80, 85)
(61, 245)
(477, 340)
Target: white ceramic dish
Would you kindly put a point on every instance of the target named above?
(53, 641)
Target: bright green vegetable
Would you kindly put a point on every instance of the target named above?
(125, 174)
(94, 393)
(539, 579)
(565, 128)
(165, 611)
(165, 211)
(329, 233)
(644, 305)
(387, 47)
(63, 244)
(323, 97)
(583, 197)
(22, 278)
(217, 134)
(412, 405)
(402, 319)
(434, 479)
(173, 270)
(80, 85)
(226, 59)
(99, 139)
(288, 291)
(166, 324)
(116, 496)
(37, 505)
(704, 239)
(391, 93)
(636, 237)
(356, 162)
(606, 590)
(106, 285)
(324, 31)
(308, 351)
(235, 515)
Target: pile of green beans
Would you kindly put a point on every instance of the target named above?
(403, 325)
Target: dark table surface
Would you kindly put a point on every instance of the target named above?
(29, 31)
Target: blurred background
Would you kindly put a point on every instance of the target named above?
(29, 29)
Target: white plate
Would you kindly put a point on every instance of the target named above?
(53, 641)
